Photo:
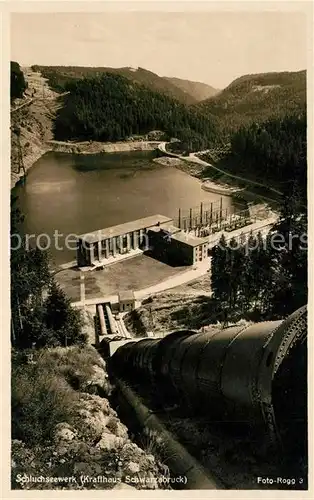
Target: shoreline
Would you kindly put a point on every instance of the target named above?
(29, 161)
(191, 165)
(195, 170)
(196, 167)
(192, 169)
(94, 147)
(83, 148)
(216, 187)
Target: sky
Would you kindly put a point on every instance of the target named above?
(210, 47)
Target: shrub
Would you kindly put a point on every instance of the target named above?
(41, 393)
(40, 399)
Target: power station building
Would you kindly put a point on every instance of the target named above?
(171, 244)
(154, 233)
(98, 246)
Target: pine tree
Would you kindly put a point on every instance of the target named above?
(62, 318)
(220, 277)
(29, 278)
(291, 289)
(236, 267)
(260, 267)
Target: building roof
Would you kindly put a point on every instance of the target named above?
(188, 239)
(170, 228)
(126, 296)
(176, 233)
(120, 229)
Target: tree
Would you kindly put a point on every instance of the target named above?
(275, 149)
(34, 320)
(291, 256)
(107, 107)
(18, 84)
(61, 318)
(29, 277)
(236, 259)
(220, 277)
(261, 273)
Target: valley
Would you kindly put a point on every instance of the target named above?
(115, 343)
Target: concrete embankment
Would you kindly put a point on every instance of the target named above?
(93, 147)
(33, 149)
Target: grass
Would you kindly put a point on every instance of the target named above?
(133, 274)
(48, 391)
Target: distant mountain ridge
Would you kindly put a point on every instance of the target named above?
(256, 98)
(248, 99)
(200, 91)
(110, 107)
(184, 91)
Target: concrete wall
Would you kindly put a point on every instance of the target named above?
(170, 250)
(87, 253)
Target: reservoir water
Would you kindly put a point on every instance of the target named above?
(74, 194)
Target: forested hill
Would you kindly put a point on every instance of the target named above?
(110, 107)
(18, 85)
(200, 91)
(256, 98)
(58, 76)
(274, 150)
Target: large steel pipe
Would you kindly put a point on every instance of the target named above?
(255, 373)
(111, 320)
(103, 328)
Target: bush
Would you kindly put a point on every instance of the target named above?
(41, 393)
(40, 399)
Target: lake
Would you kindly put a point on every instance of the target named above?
(74, 194)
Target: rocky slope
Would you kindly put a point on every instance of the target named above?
(87, 447)
(31, 124)
(185, 306)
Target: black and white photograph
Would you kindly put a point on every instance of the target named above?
(158, 247)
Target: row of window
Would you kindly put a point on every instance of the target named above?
(200, 252)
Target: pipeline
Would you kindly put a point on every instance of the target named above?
(256, 374)
(103, 328)
(180, 462)
(112, 321)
